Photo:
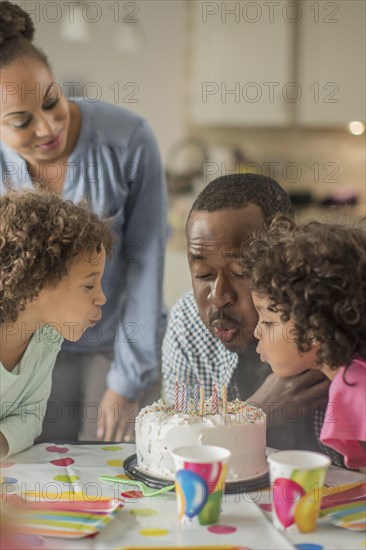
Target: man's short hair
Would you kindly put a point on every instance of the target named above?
(236, 191)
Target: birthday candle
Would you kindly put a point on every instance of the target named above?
(224, 398)
(182, 393)
(176, 396)
(196, 397)
(202, 400)
(214, 400)
(185, 398)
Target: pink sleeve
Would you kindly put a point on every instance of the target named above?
(345, 419)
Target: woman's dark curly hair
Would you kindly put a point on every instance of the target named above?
(315, 274)
(16, 35)
(40, 236)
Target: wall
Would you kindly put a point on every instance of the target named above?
(157, 71)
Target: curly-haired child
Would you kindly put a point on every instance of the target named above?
(309, 289)
(52, 261)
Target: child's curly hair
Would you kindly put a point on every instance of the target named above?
(40, 236)
(315, 274)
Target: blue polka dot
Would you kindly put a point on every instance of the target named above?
(309, 546)
(10, 480)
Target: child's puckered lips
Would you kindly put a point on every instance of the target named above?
(263, 358)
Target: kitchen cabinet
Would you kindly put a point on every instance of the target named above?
(276, 63)
(332, 62)
(240, 61)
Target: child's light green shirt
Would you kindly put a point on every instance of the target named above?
(25, 390)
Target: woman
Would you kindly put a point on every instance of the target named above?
(110, 156)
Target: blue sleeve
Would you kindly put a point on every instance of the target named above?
(136, 363)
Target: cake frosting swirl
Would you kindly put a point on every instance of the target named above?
(237, 426)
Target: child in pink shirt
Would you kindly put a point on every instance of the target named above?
(309, 289)
(345, 420)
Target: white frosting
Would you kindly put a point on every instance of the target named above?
(160, 430)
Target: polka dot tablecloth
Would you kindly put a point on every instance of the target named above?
(57, 472)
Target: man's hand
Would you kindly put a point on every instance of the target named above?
(117, 422)
(284, 398)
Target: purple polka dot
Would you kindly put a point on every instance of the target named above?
(132, 494)
(221, 529)
(55, 449)
(63, 462)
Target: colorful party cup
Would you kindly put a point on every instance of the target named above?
(200, 473)
(297, 479)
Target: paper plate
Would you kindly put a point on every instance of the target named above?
(231, 487)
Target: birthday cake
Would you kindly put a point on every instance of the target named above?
(236, 425)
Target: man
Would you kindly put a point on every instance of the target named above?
(210, 331)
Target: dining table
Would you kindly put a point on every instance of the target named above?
(119, 517)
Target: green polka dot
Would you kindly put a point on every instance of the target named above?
(115, 463)
(143, 512)
(66, 479)
(154, 532)
(112, 448)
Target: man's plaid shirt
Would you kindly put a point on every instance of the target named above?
(190, 353)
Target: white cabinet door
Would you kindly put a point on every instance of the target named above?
(332, 62)
(241, 62)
